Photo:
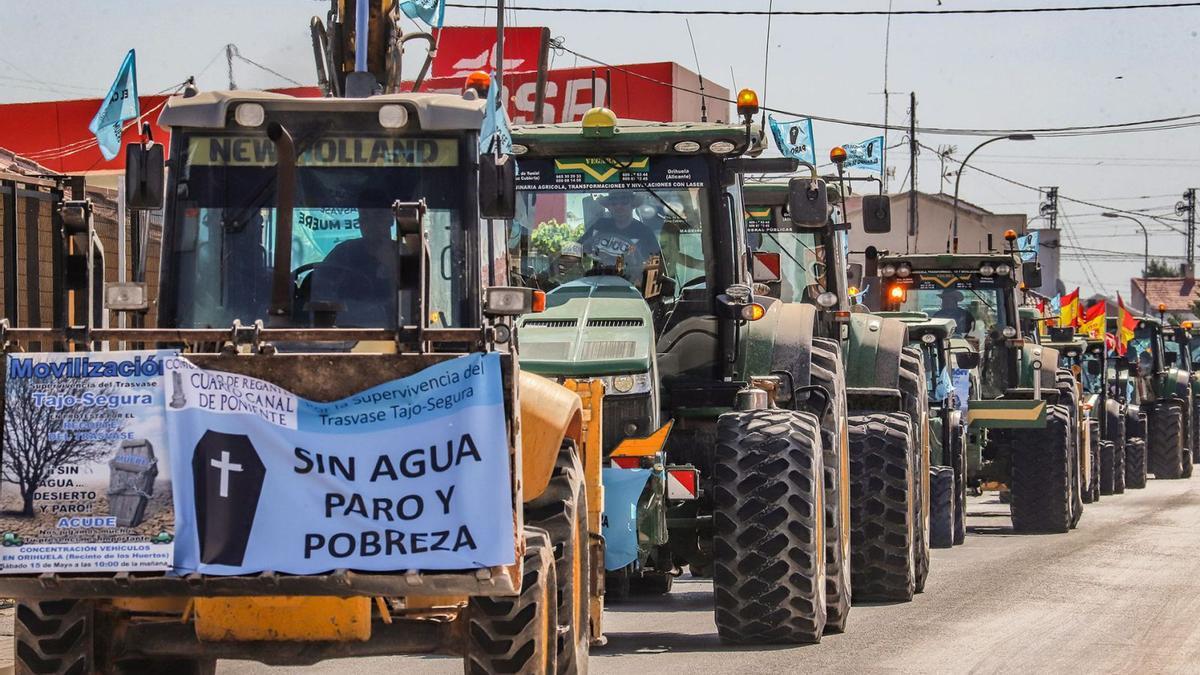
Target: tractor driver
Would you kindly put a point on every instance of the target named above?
(950, 309)
(620, 236)
(358, 277)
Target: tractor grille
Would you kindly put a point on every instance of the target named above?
(547, 351)
(550, 323)
(614, 323)
(599, 350)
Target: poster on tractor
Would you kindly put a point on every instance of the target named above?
(410, 474)
(83, 463)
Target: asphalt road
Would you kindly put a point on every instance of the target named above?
(1120, 593)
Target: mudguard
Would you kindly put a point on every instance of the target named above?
(873, 352)
(781, 341)
(550, 413)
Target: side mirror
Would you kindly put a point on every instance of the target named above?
(497, 187)
(1031, 273)
(877, 214)
(966, 360)
(145, 176)
(854, 275)
(808, 205)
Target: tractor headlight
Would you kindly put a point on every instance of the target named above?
(887, 270)
(904, 270)
(929, 338)
(638, 383)
(1003, 270)
(1008, 332)
(986, 270)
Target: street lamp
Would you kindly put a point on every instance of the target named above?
(962, 167)
(1145, 255)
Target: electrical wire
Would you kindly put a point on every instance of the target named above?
(1157, 124)
(835, 12)
(276, 73)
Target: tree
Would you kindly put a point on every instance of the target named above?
(37, 440)
(1159, 269)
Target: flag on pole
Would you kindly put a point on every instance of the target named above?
(1092, 322)
(1070, 314)
(1027, 245)
(120, 105)
(495, 124)
(1126, 323)
(794, 139)
(432, 12)
(867, 155)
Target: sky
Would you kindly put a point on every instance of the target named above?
(990, 71)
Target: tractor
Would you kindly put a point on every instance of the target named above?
(1022, 409)
(889, 431)
(727, 403)
(261, 192)
(1072, 357)
(1165, 395)
(1178, 340)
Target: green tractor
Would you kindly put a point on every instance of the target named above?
(1072, 358)
(1178, 341)
(724, 413)
(1102, 384)
(889, 415)
(947, 425)
(1165, 391)
(1022, 409)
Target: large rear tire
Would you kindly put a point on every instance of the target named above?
(561, 510)
(1116, 426)
(1135, 463)
(826, 371)
(958, 454)
(517, 634)
(941, 507)
(769, 528)
(55, 636)
(1108, 467)
(913, 389)
(1042, 476)
(1165, 443)
(882, 508)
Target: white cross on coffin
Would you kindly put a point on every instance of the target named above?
(225, 466)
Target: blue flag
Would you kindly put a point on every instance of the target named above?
(495, 124)
(794, 139)
(1055, 305)
(1027, 245)
(432, 12)
(121, 104)
(867, 155)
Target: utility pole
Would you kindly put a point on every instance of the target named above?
(230, 52)
(913, 149)
(1187, 209)
(1049, 208)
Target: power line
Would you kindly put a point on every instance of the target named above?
(1158, 124)
(835, 12)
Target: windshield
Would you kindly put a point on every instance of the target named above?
(639, 218)
(1143, 349)
(798, 255)
(1194, 350)
(347, 267)
(976, 310)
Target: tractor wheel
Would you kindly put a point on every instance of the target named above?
(1187, 463)
(958, 454)
(562, 512)
(1042, 475)
(1091, 482)
(1077, 486)
(55, 636)
(882, 508)
(1064, 381)
(1135, 463)
(1119, 440)
(1165, 442)
(941, 507)
(769, 528)
(518, 634)
(826, 371)
(912, 387)
(1108, 463)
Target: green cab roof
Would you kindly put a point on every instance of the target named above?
(636, 136)
(950, 262)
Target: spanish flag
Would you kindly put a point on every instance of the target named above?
(1070, 314)
(1126, 323)
(1092, 323)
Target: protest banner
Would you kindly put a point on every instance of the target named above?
(411, 474)
(86, 477)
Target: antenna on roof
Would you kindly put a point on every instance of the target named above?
(767, 59)
(696, 55)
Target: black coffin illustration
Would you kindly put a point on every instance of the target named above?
(228, 478)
